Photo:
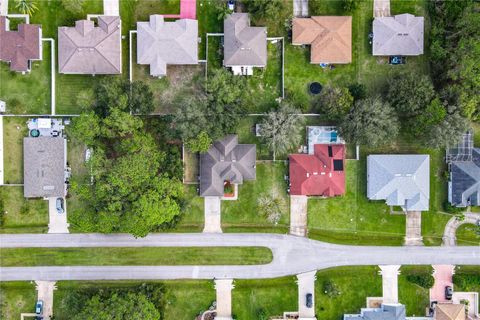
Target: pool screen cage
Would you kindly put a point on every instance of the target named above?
(463, 150)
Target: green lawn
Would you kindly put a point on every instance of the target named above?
(16, 298)
(28, 93)
(273, 296)
(134, 256)
(185, 299)
(22, 215)
(14, 130)
(352, 218)
(243, 215)
(467, 235)
(190, 166)
(355, 284)
(192, 218)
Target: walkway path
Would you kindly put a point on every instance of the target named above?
(381, 8)
(413, 234)
(449, 238)
(291, 255)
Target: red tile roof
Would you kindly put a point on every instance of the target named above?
(315, 175)
(18, 47)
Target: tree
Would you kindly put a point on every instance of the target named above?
(335, 103)
(118, 307)
(271, 206)
(410, 94)
(135, 97)
(262, 9)
(281, 129)
(26, 6)
(433, 115)
(358, 91)
(448, 131)
(131, 190)
(224, 88)
(201, 143)
(370, 122)
(85, 99)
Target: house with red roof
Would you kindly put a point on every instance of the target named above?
(21, 46)
(319, 174)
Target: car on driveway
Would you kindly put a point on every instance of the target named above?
(59, 205)
(309, 300)
(39, 307)
(448, 292)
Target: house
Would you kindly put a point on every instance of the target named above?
(401, 180)
(160, 43)
(400, 35)
(449, 311)
(20, 47)
(90, 49)
(330, 38)
(245, 47)
(226, 161)
(44, 166)
(384, 312)
(464, 173)
(319, 174)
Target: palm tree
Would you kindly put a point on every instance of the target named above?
(26, 6)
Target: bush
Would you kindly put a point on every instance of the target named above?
(424, 280)
(466, 281)
(330, 288)
(451, 209)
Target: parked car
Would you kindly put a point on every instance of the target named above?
(59, 204)
(39, 307)
(448, 293)
(309, 302)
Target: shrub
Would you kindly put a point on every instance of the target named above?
(330, 288)
(451, 209)
(424, 280)
(466, 281)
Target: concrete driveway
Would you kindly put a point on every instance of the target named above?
(213, 222)
(413, 229)
(111, 8)
(298, 215)
(300, 8)
(223, 289)
(57, 221)
(381, 8)
(449, 238)
(306, 285)
(443, 275)
(45, 293)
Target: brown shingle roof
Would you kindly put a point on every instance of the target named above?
(18, 47)
(329, 36)
(449, 311)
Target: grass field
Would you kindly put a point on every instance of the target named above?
(467, 235)
(22, 215)
(242, 214)
(16, 298)
(14, 130)
(134, 256)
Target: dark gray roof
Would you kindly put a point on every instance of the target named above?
(465, 181)
(87, 49)
(226, 160)
(401, 180)
(160, 43)
(386, 312)
(244, 45)
(398, 35)
(44, 162)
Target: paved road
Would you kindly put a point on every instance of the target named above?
(291, 255)
(449, 237)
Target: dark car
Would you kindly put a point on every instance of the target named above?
(39, 307)
(309, 302)
(59, 205)
(448, 293)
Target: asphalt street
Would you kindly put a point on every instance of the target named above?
(291, 255)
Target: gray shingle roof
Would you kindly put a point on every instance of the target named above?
(160, 43)
(398, 35)
(44, 167)
(86, 49)
(244, 45)
(226, 160)
(386, 312)
(465, 181)
(401, 180)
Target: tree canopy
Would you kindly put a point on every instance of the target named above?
(334, 103)
(371, 122)
(281, 129)
(262, 9)
(131, 189)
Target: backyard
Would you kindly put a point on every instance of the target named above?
(14, 130)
